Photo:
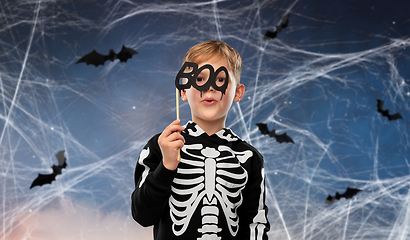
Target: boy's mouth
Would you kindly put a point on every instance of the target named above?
(209, 101)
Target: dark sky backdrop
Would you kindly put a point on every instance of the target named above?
(318, 81)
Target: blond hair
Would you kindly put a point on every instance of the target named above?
(215, 48)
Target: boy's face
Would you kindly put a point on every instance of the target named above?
(210, 107)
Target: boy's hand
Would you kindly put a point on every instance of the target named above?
(170, 141)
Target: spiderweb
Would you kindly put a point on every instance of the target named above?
(318, 81)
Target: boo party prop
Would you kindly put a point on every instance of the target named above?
(188, 76)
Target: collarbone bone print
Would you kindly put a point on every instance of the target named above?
(212, 176)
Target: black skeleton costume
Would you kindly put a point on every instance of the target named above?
(216, 192)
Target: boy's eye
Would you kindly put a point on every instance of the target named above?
(200, 81)
(220, 82)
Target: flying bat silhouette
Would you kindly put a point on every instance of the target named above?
(385, 113)
(48, 178)
(350, 193)
(97, 59)
(263, 127)
(284, 24)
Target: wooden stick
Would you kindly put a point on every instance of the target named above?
(177, 95)
(177, 98)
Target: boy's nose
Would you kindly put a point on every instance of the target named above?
(210, 89)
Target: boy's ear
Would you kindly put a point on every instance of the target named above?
(240, 90)
(183, 95)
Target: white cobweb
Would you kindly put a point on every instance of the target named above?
(320, 90)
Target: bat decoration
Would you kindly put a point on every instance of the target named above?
(284, 24)
(385, 113)
(263, 127)
(49, 178)
(97, 59)
(184, 79)
(350, 193)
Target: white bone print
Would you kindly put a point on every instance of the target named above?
(210, 176)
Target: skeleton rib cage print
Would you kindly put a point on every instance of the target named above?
(211, 176)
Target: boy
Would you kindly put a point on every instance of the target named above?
(217, 189)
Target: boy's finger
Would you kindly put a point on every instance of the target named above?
(173, 128)
(177, 144)
(176, 136)
(175, 122)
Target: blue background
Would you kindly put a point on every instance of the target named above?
(318, 81)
